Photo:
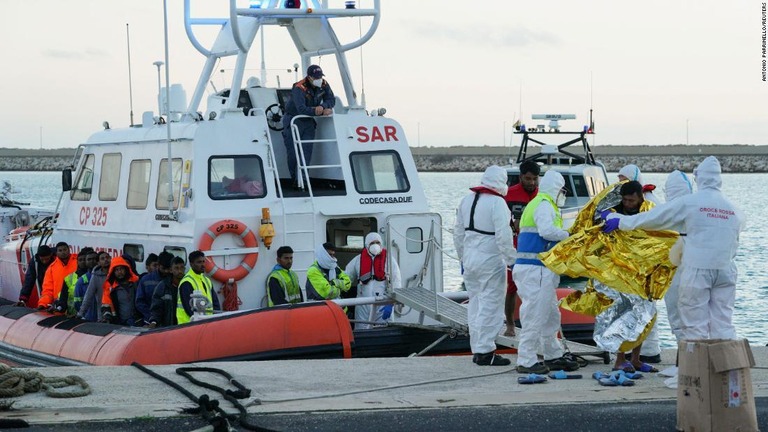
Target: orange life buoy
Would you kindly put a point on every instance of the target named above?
(246, 265)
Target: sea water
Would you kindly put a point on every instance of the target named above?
(445, 190)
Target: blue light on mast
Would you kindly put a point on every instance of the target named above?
(255, 4)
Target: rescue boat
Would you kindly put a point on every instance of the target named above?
(162, 185)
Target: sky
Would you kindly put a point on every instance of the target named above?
(451, 72)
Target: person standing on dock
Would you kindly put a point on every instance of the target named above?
(283, 283)
(312, 96)
(541, 227)
(195, 280)
(517, 198)
(33, 277)
(483, 239)
(712, 224)
(368, 271)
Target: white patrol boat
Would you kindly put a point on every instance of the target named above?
(584, 176)
(167, 185)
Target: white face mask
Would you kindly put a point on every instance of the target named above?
(560, 199)
(374, 249)
(317, 82)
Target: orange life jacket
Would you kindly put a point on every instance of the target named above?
(376, 264)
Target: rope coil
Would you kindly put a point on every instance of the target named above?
(17, 382)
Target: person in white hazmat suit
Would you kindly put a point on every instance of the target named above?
(541, 227)
(368, 271)
(632, 172)
(707, 271)
(483, 239)
(676, 186)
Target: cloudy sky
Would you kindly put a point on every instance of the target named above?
(451, 72)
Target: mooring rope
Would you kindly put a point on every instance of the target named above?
(17, 382)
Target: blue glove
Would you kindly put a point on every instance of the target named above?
(611, 225)
(604, 214)
(386, 311)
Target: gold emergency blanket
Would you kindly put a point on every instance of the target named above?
(633, 262)
(626, 269)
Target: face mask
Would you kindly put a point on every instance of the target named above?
(317, 82)
(374, 249)
(560, 199)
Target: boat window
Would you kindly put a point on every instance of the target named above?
(84, 182)
(235, 177)
(580, 186)
(109, 180)
(138, 184)
(414, 240)
(161, 203)
(176, 251)
(136, 251)
(380, 171)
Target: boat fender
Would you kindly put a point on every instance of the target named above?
(249, 239)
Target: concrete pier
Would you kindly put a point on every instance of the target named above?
(356, 387)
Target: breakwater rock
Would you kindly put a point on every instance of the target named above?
(35, 160)
(733, 158)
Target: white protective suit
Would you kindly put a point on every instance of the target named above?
(536, 285)
(485, 257)
(677, 185)
(707, 272)
(374, 287)
(632, 172)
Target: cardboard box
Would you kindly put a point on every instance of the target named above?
(714, 386)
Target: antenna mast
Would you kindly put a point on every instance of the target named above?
(130, 78)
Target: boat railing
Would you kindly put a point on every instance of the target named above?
(298, 148)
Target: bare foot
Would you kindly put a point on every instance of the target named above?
(510, 331)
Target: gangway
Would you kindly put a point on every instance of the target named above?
(454, 316)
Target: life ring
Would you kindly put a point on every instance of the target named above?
(246, 265)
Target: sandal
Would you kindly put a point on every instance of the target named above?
(531, 379)
(645, 367)
(626, 367)
(604, 379)
(562, 375)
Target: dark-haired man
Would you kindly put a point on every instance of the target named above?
(283, 283)
(195, 280)
(64, 264)
(33, 277)
(157, 270)
(164, 299)
(517, 197)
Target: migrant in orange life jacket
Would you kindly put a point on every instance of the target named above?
(517, 198)
(111, 283)
(54, 279)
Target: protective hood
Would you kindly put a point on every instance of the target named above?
(372, 237)
(551, 183)
(632, 172)
(677, 185)
(707, 174)
(117, 262)
(326, 261)
(495, 178)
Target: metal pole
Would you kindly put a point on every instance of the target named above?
(171, 211)
(130, 79)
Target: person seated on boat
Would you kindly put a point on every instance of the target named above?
(150, 264)
(66, 300)
(164, 299)
(33, 277)
(325, 280)
(64, 264)
(517, 197)
(195, 280)
(483, 239)
(145, 289)
(632, 172)
(312, 96)
(632, 203)
(242, 184)
(91, 307)
(118, 302)
(367, 270)
(283, 283)
(541, 227)
(81, 286)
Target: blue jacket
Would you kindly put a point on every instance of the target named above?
(305, 97)
(144, 291)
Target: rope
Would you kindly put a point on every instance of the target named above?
(16, 382)
(231, 301)
(209, 408)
